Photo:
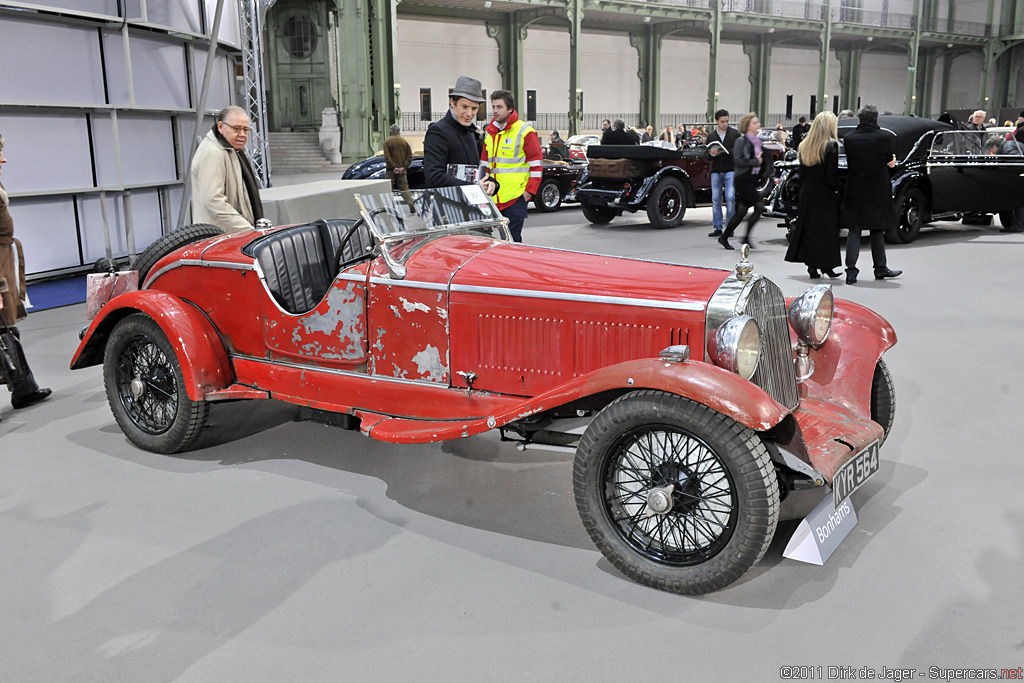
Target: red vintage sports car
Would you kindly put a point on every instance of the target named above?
(693, 398)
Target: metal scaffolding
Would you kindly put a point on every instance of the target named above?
(251, 14)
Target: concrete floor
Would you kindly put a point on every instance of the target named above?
(288, 551)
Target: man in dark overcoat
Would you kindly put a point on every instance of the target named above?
(867, 203)
(451, 148)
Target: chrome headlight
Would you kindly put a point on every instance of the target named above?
(810, 314)
(736, 346)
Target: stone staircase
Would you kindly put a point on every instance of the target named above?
(299, 153)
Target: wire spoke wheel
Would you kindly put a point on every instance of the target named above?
(676, 495)
(146, 385)
(697, 513)
(146, 388)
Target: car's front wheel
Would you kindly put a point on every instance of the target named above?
(911, 209)
(666, 205)
(676, 495)
(549, 197)
(146, 388)
(598, 214)
(883, 399)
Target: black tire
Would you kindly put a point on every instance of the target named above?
(171, 242)
(598, 214)
(911, 210)
(883, 399)
(146, 388)
(726, 507)
(548, 197)
(666, 204)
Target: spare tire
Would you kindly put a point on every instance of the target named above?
(172, 242)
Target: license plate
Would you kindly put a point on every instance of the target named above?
(854, 473)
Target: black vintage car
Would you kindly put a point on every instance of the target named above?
(557, 185)
(942, 173)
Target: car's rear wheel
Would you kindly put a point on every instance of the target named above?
(666, 205)
(548, 197)
(676, 495)
(598, 214)
(911, 209)
(172, 242)
(146, 388)
(883, 399)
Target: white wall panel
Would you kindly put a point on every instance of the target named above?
(146, 145)
(146, 217)
(546, 69)
(883, 81)
(46, 151)
(31, 74)
(608, 73)
(90, 220)
(158, 70)
(221, 79)
(433, 54)
(101, 7)
(182, 15)
(964, 81)
(230, 32)
(684, 77)
(46, 228)
(795, 72)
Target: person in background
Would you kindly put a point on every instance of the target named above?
(397, 157)
(224, 188)
(512, 154)
(746, 158)
(12, 294)
(451, 148)
(976, 143)
(648, 134)
(815, 238)
(992, 122)
(1012, 220)
(556, 147)
(722, 171)
(799, 131)
(681, 136)
(867, 200)
(605, 126)
(667, 135)
(617, 135)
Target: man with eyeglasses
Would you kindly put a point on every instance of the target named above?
(224, 188)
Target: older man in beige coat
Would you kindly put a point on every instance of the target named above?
(224, 188)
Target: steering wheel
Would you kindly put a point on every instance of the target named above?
(348, 236)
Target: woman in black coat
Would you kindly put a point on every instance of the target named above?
(746, 160)
(815, 238)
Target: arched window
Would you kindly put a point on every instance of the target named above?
(299, 36)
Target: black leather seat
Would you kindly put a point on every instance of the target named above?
(333, 232)
(296, 267)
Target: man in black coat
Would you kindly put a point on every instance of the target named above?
(801, 129)
(867, 203)
(617, 135)
(451, 147)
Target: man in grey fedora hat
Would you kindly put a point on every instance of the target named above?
(451, 148)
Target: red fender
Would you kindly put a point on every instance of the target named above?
(845, 364)
(200, 353)
(716, 388)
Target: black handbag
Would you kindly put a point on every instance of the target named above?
(13, 364)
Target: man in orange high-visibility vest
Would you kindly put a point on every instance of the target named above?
(512, 157)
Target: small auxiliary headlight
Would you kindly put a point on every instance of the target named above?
(736, 346)
(810, 314)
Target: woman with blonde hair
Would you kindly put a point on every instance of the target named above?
(815, 237)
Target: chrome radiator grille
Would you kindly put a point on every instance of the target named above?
(775, 373)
